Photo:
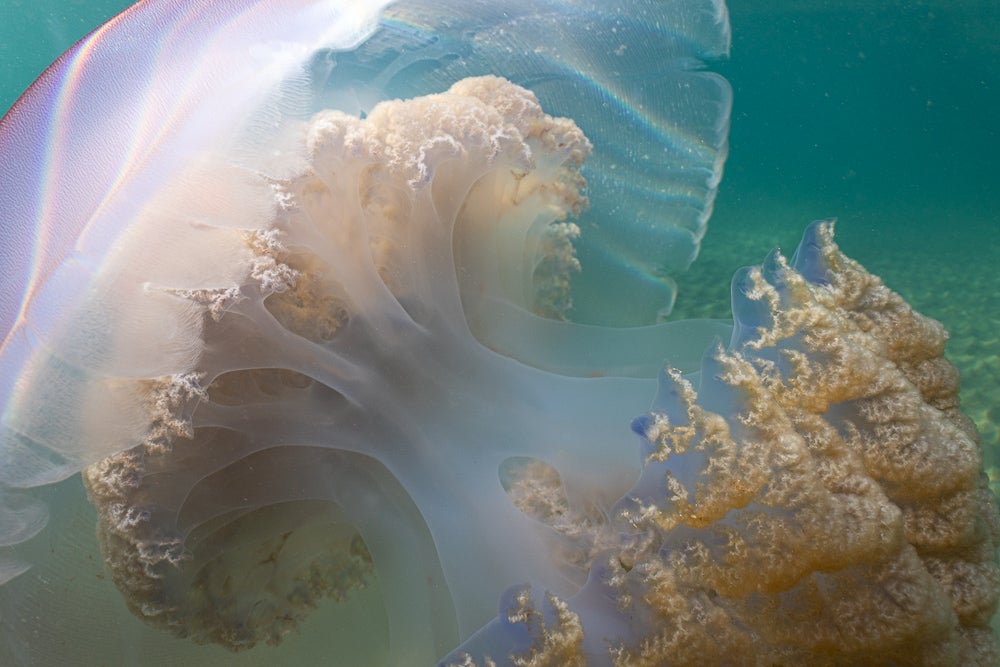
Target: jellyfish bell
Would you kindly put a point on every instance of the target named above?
(657, 155)
(288, 285)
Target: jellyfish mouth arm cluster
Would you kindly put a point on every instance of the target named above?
(344, 364)
(818, 498)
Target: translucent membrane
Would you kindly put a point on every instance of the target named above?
(292, 336)
(630, 75)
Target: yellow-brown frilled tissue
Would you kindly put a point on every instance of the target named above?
(818, 499)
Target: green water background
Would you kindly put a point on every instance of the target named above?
(881, 114)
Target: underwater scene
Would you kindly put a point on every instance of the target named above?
(499, 332)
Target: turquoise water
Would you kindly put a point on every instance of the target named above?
(34, 33)
(884, 118)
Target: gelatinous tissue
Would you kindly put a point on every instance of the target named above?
(327, 402)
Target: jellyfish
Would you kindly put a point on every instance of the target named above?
(814, 496)
(308, 357)
(288, 294)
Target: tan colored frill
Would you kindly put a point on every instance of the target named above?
(238, 579)
(480, 162)
(848, 524)
(557, 644)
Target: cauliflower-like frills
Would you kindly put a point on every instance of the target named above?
(194, 529)
(819, 500)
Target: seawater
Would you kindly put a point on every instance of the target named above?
(880, 114)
